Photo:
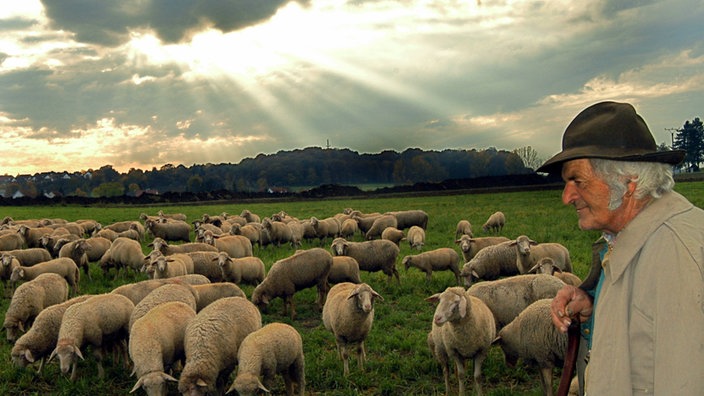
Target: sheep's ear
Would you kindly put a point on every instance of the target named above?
(53, 353)
(353, 293)
(513, 243)
(28, 355)
(534, 269)
(168, 377)
(137, 385)
(556, 268)
(434, 298)
(457, 241)
(532, 242)
(463, 306)
(262, 387)
(377, 295)
(474, 274)
(77, 350)
(200, 382)
(496, 340)
(20, 326)
(151, 244)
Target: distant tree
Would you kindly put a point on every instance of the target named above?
(194, 184)
(691, 139)
(529, 157)
(112, 189)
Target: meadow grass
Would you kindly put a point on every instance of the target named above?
(398, 359)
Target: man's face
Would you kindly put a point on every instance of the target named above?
(589, 195)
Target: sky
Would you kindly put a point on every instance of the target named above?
(143, 83)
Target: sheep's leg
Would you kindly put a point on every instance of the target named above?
(298, 375)
(99, 360)
(73, 370)
(345, 360)
(428, 276)
(460, 371)
(478, 361)
(546, 380)
(361, 355)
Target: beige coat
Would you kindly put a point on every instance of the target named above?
(649, 320)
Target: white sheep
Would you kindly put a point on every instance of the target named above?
(96, 248)
(379, 225)
(348, 228)
(121, 226)
(235, 245)
(210, 292)
(276, 348)
(38, 342)
(171, 266)
(105, 233)
(30, 256)
(349, 314)
(303, 269)
(172, 216)
(463, 328)
(123, 253)
(441, 259)
(344, 269)
(393, 234)
(495, 222)
(248, 270)
(211, 344)
(326, 228)
(250, 217)
(100, 322)
(278, 232)
(78, 252)
(408, 218)
(176, 230)
(416, 237)
(181, 292)
(471, 246)
(12, 241)
(30, 299)
(533, 338)
(507, 297)
(138, 290)
(528, 252)
(8, 263)
(490, 263)
(206, 263)
(62, 266)
(372, 256)
(364, 221)
(546, 265)
(464, 227)
(159, 244)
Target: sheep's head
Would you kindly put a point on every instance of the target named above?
(153, 383)
(545, 265)
(469, 273)
(523, 244)
(17, 274)
(68, 354)
(407, 262)
(159, 244)
(364, 296)
(339, 246)
(247, 384)
(260, 297)
(21, 356)
(6, 259)
(452, 305)
(465, 243)
(13, 328)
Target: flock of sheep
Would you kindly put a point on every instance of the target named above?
(190, 323)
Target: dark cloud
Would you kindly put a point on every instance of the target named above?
(109, 23)
(16, 24)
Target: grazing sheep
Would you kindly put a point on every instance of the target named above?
(13, 241)
(172, 216)
(122, 226)
(495, 222)
(392, 234)
(276, 348)
(442, 259)
(162, 246)
(105, 233)
(305, 268)
(364, 221)
(29, 257)
(89, 225)
(379, 225)
(464, 227)
(100, 322)
(528, 252)
(30, 236)
(123, 253)
(463, 328)
(200, 228)
(138, 290)
(212, 341)
(8, 263)
(490, 263)
(250, 217)
(349, 314)
(409, 218)
(78, 252)
(61, 266)
(533, 338)
(156, 344)
(372, 256)
(54, 243)
(248, 270)
(298, 232)
(416, 237)
(38, 342)
(209, 292)
(507, 297)
(235, 245)
(278, 232)
(348, 228)
(181, 292)
(344, 269)
(205, 263)
(470, 246)
(172, 231)
(546, 265)
(30, 299)
(96, 248)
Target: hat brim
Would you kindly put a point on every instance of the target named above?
(554, 164)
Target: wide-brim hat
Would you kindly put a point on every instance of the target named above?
(609, 130)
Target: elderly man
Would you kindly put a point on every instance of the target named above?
(641, 307)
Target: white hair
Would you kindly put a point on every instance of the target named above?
(652, 178)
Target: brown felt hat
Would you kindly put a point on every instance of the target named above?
(609, 130)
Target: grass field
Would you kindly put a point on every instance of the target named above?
(398, 359)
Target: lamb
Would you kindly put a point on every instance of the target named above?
(209, 292)
(171, 231)
(392, 234)
(30, 299)
(349, 314)
(409, 218)
(12, 241)
(507, 297)
(528, 252)
(276, 348)
(416, 237)
(470, 246)
(303, 269)
(30, 256)
(441, 259)
(161, 245)
(100, 322)
(123, 253)
(62, 266)
(463, 328)
(38, 342)
(248, 270)
(344, 269)
(495, 222)
(379, 225)
(546, 265)
(372, 256)
(235, 245)
(279, 232)
(181, 292)
(156, 343)
(250, 217)
(211, 344)
(464, 227)
(533, 338)
(490, 263)
(348, 228)
(77, 251)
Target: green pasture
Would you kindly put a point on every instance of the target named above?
(398, 359)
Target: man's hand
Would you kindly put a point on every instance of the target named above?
(570, 303)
